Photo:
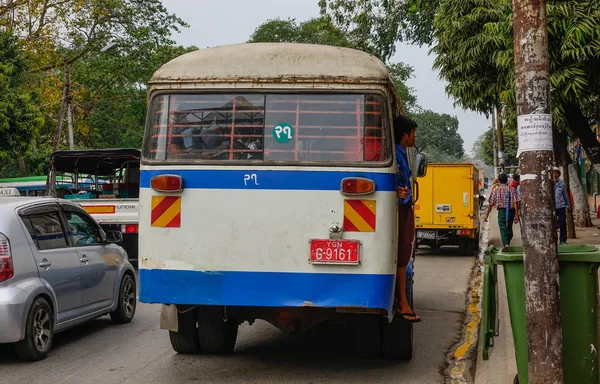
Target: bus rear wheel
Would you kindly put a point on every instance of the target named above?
(216, 333)
(185, 340)
(398, 339)
(368, 335)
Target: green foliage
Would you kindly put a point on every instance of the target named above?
(113, 108)
(400, 74)
(438, 136)
(475, 54)
(108, 87)
(20, 117)
(376, 25)
(483, 148)
(314, 31)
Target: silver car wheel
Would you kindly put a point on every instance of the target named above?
(128, 298)
(41, 329)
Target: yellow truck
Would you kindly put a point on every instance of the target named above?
(447, 209)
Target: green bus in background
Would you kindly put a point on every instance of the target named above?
(27, 186)
(32, 185)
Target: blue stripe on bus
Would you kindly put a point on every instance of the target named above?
(266, 289)
(274, 180)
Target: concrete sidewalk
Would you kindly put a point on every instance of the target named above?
(501, 368)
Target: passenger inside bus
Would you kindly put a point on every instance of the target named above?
(214, 142)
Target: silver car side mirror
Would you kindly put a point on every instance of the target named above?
(114, 237)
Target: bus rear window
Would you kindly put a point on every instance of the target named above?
(272, 127)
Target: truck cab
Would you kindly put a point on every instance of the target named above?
(105, 182)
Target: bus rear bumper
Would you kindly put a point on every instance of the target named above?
(266, 289)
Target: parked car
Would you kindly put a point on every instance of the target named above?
(58, 269)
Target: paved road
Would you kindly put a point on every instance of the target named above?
(100, 352)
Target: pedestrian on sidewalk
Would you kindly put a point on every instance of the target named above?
(563, 203)
(506, 201)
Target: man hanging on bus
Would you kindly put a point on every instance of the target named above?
(404, 136)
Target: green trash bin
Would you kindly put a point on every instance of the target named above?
(578, 267)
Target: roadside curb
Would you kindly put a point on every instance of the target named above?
(460, 362)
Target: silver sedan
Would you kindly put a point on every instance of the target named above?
(58, 269)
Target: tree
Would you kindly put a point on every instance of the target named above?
(322, 31)
(485, 146)
(108, 88)
(314, 31)
(438, 136)
(20, 117)
(376, 25)
(111, 111)
(476, 57)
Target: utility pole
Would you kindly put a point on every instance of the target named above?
(68, 101)
(544, 334)
(501, 161)
(494, 144)
(63, 106)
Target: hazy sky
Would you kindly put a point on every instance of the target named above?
(220, 22)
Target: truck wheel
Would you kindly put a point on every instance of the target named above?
(462, 247)
(469, 247)
(214, 333)
(185, 341)
(39, 332)
(368, 335)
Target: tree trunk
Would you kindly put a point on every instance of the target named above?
(501, 157)
(494, 144)
(570, 218)
(22, 166)
(581, 209)
(70, 126)
(581, 128)
(579, 215)
(63, 105)
(561, 155)
(540, 253)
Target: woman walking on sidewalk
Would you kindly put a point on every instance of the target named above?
(506, 201)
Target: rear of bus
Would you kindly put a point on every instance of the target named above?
(269, 194)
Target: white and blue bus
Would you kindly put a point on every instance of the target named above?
(268, 191)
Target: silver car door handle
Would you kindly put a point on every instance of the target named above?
(45, 263)
(84, 259)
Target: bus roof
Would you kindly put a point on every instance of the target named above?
(274, 62)
(23, 179)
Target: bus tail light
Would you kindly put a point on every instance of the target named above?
(6, 262)
(464, 232)
(354, 186)
(167, 183)
(129, 228)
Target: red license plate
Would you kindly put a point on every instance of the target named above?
(334, 251)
